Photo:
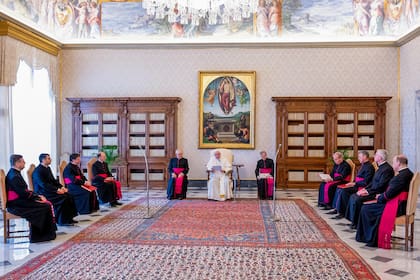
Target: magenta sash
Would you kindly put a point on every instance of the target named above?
(359, 179)
(51, 207)
(117, 185)
(327, 187)
(11, 195)
(179, 180)
(388, 220)
(269, 183)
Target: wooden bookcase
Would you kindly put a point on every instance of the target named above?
(310, 129)
(136, 126)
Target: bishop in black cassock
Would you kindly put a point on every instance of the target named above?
(263, 185)
(175, 173)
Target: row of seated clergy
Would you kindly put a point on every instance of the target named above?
(378, 185)
(362, 180)
(220, 183)
(383, 186)
(79, 187)
(108, 189)
(29, 205)
(376, 221)
(45, 184)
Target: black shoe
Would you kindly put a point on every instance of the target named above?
(74, 221)
(333, 212)
(118, 203)
(326, 207)
(338, 217)
(112, 204)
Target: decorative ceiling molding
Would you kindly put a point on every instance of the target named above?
(408, 37)
(24, 34)
(247, 45)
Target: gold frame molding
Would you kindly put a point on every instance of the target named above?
(25, 35)
(228, 119)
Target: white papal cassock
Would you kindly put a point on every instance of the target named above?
(219, 186)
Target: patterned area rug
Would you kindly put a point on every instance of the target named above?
(200, 239)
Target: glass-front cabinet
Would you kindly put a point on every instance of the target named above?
(310, 129)
(139, 129)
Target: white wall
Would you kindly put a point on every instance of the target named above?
(280, 72)
(410, 83)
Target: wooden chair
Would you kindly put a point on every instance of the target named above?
(407, 220)
(29, 172)
(7, 233)
(89, 168)
(61, 167)
(353, 169)
(375, 166)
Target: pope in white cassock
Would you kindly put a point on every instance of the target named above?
(219, 185)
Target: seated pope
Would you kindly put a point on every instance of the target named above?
(219, 185)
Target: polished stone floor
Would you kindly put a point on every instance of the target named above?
(389, 264)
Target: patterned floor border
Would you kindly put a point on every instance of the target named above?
(351, 259)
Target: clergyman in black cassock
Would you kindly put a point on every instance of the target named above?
(262, 184)
(107, 189)
(45, 184)
(86, 201)
(340, 176)
(178, 170)
(370, 214)
(378, 185)
(29, 205)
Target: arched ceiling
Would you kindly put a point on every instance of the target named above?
(288, 21)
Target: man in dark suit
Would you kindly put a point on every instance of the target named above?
(371, 214)
(378, 185)
(45, 184)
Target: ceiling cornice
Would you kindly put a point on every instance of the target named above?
(408, 37)
(245, 45)
(28, 36)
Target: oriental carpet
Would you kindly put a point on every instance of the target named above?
(200, 239)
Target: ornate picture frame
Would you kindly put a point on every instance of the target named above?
(227, 109)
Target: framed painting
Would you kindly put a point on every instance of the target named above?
(227, 110)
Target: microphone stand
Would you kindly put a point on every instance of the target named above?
(275, 219)
(146, 174)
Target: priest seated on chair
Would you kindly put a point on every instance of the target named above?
(220, 169)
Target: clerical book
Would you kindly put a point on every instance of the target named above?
(89, 188)
(217, 168)
(325, 177)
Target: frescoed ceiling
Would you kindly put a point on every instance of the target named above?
(87, 21)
